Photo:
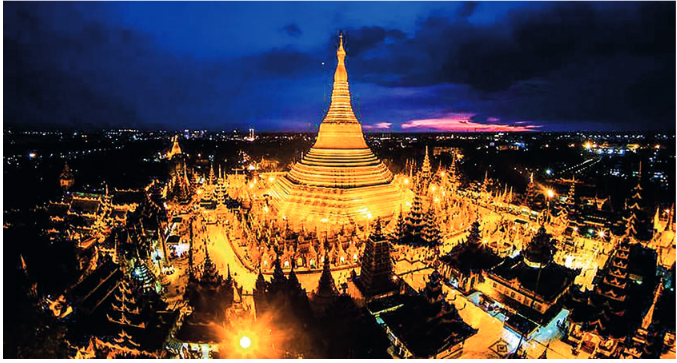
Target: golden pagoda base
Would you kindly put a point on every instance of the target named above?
(331, 208)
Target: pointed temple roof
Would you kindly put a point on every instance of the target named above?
(339, 180)
(326, 287)
(176, 149)
(426, 168)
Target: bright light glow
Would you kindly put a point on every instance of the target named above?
(442, 173)
(588, 145)
(601, 234)
(245, 342)
(31, 155)
(548, 171)
(433, 188)
(550, 193)
(406, 181)
(251, 167)
(251, 185)
(271, 179)
(265, 209)
(325, 220)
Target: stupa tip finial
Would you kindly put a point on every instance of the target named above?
(340, 49)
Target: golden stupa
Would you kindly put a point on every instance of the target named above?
(340, 180)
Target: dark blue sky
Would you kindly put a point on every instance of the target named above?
(412, 66)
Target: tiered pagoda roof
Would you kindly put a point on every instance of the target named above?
(614, 308)
(376, 272)
(339, 180)
(472, 254)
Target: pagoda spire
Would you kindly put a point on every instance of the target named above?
(176, 149)
(531, 191)
(633, 225)
(340, 110)
(376, 270)
(326, 286)
(648, 318)
(211, 174)
(431, 232)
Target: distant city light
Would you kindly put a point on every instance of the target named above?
(548, 171)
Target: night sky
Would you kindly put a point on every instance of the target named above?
(412, 66)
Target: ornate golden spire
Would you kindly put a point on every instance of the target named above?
(176, 149)
(340, 110)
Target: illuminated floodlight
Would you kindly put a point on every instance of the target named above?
(245, 342)
(550, 193)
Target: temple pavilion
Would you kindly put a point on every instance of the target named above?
(339, 181)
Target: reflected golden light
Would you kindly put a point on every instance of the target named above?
(588, 145)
